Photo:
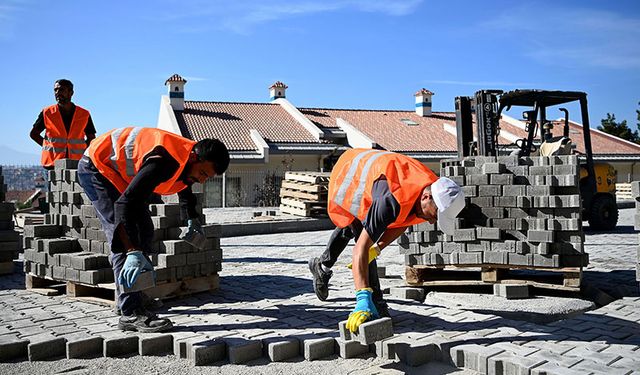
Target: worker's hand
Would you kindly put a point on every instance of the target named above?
(194, 225)
(374, 251)
(364, 310)
(135, 263)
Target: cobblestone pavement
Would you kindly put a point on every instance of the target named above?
(266, 308)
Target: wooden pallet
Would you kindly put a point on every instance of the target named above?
(104, 293)
(623, 191)
(303, 186)
(290, 193)
(307, 212)
(567, 279)
(310, 177)
(292, 202)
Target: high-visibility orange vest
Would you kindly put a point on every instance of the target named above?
(119, 154)
(352, 180)
(58, 143)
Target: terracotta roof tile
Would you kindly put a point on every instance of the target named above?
(231, 123)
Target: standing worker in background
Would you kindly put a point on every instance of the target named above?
(383, 193)
(119, 173)
(68, 128)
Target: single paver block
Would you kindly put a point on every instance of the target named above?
(12, 348)
(84, 347)
(370, 332)
(473, 357)
(281, 349)
(416, 353)
(511, 291)
(350, 349)
(319, 348)
(155, 344)
(45, 347)
(206, 352)
(507, 364)
(345, 334)
(120, 345)
(416, 294)
(241, 350)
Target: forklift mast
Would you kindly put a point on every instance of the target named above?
(487, 123)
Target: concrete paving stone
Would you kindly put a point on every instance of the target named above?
(473, 357)
(240, 350)
(12, 348)
(155, 344)
(375, 330)
(180, 340)
(84, 346)
(351, 349)
(511, 291)
(557, 358)
(417, 352)
(319, 348)
(120, 345)
(207, 352)
(279, 349)
(591, 367)
(45, 346)
(416, 294)
(554, 369)
(505, 364)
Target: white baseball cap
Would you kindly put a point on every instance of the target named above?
(449, 199)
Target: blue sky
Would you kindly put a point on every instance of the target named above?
(332, 53)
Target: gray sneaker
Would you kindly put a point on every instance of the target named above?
(320, 279)
(144, 321)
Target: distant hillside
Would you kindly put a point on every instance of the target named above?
(9, 156)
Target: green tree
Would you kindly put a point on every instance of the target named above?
(619, 129)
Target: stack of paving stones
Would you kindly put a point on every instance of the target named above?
(10, 240)
(71, 245)
(522, 212)
(635, 192)
(304, 194)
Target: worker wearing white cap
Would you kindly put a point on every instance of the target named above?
(383, 193)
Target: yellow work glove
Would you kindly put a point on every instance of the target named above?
(374, 251)
(364, 310)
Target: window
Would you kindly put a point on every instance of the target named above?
(409, 122)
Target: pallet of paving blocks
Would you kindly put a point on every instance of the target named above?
(635, 193)
(72, 248)
(10, 240)
(304, 193)
(521, 213)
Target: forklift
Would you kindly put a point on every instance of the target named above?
(597, 181)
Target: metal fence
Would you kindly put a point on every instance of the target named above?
(248, 188)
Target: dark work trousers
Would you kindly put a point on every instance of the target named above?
(103, 196)
(338, 242)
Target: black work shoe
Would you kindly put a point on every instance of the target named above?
(320, 279)
(144, 321)
(383, 309)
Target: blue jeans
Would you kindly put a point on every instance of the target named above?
(103, 195)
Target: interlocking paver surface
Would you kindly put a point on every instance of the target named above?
(266, 293)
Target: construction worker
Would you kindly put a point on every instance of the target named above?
(68, 128)
(119, 172)
(383, 193)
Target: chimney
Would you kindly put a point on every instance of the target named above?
(423, 102)
(277, 90)
(175, 85)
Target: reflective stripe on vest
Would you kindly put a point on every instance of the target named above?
(128, 151)
(357, 196)
(114, 152)
(340, 195)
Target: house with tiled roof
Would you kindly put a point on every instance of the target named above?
(275, 136)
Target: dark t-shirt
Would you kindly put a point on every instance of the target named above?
(66, 119)
(384, 210)
(132, 203)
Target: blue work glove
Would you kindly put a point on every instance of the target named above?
(364, 310)
(194, 225)
(135, 263)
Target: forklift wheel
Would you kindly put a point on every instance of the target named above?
(604, 213)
